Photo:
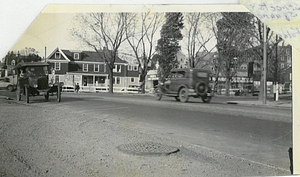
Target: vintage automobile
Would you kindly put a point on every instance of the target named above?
(185, 83)
(8, 83)
(33, 80)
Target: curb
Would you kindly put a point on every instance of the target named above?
(255, 104)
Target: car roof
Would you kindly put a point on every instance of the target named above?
(33, 64)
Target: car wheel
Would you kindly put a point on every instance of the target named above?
(18, 92)
(10, 88)
(26, 95)
(183, 95)
(177, 98)
(157, 93)
(206, 99)
(46, 96)
(58, 94)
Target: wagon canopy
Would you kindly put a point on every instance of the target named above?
(23, 65)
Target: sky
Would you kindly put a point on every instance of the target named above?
(50, 30)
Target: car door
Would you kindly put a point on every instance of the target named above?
(180, 80)
(173, 82)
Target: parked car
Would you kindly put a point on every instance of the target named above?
(7, 83)
(185, 83)
(33, 80)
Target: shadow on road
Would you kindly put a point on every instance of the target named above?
(38, 99)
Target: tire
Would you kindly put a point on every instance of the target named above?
(176, 98)
(27, 95)
(46, 96)
(200, 91)
(206, 99)
(10, 88)
(58, 94)
(183, 95)
(18, 93)
(157, 93)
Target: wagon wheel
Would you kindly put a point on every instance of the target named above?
(18, 93)
(206, 99)
(46, 96)
(157, 93)
(183, 95)
(58, 94)
(27, 94)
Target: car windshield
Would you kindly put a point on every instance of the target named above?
(37, 71)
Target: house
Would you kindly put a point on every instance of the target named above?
(182, 60)
(89, 70)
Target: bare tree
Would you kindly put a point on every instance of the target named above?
(104, 33)
(198, 31)
(140, 34)
(232, 42)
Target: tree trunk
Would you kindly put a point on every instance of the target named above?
(216, 81)
(111, 76)
(143, 79)
(227, 86)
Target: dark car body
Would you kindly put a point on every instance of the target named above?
(184, 83)
(33, 80)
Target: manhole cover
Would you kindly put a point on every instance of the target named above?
(147, 148)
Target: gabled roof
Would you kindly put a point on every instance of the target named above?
(60, 51)
(88, 56)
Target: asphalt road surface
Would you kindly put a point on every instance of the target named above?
(260, 135)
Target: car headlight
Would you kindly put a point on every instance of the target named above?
(35, 85)
(50, 85)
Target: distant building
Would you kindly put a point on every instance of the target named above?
(89, 70)
(182, 60)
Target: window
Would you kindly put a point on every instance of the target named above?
(181, 74)
(57, 55)
(132, 79)
(129, 68)
(76, 56)
(116, 80)
(282, 58)
(99, 80)
(57, 66)
(85, 67)
(117, 69)
(135, 68)
(282, 65)
(96, 68)
(289, 58)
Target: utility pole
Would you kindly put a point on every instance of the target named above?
(265, 66)
(45, 54)
(275, 86)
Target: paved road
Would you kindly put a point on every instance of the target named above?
(259, 134)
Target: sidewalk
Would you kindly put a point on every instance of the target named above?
(280, 103)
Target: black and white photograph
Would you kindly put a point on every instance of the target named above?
(147, 90)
